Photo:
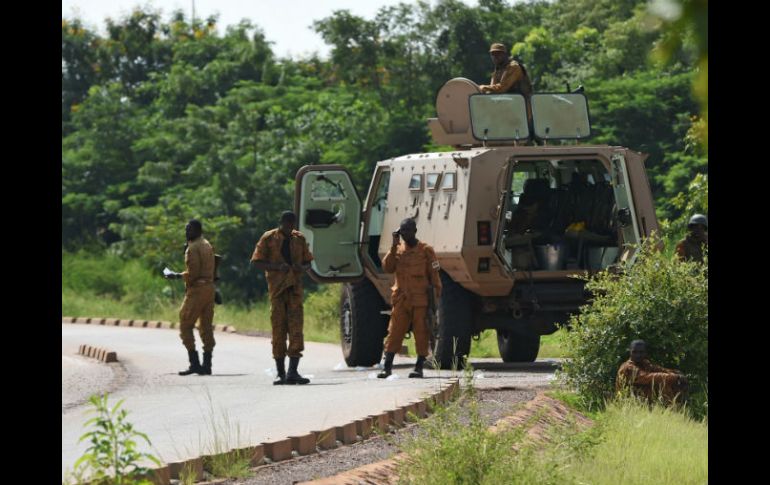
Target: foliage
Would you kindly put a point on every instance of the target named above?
(659, 300)
(113, 456)
(163, 120)
(692, 201)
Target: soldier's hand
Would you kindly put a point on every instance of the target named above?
(396, 238)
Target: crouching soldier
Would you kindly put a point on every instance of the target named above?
(648, 380)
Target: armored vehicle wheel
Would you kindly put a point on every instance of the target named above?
(454, 324)
(362, 327)
(518, 345)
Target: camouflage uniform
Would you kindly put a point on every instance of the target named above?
(415, 267)
(285, 289)
(650, 381)
(510, 78)
(199, 295)
(691, 249)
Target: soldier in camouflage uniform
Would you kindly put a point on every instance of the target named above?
(284, 255)
(648, 380)
(416, 267)
(692, 247)
(198, 298)
(509, 76)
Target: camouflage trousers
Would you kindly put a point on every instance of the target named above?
(286, 318)
(198, 303)
(401, 317)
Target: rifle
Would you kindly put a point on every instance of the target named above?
(430, 315)
(217, 294)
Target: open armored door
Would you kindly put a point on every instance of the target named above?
(329, 215)
(625, 213)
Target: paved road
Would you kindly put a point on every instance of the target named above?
(238, 405)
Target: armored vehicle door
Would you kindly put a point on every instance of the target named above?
(625, 213)
(329, 215)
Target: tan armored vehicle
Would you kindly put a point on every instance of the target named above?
(516, 209)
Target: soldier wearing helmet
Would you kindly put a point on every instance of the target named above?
(692, 247)
(509, 76)
(416, 268)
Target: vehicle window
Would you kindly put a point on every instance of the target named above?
(326, 188)
(449, 181)
(432, 180)
(415, 183)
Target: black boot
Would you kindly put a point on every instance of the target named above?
(293, 376)
(418, 367)
(281, 377)
(206, 366)
(195, 365)
(388, 365)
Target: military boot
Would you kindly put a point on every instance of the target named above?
(388, 365)
(293, 376)
(195, 365)
(280, 379)
(206, 366)
(418, 367)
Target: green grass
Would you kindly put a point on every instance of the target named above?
(641, 446)
(321, 316)
(320, 326)
(486, 346)
(630, 443)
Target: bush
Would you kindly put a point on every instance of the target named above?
(659, 300)
(692, 201)
(113, 456)
(108, 275)
(322, 308)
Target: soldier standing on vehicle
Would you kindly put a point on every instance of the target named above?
(198, 298)
(416, 268)
(649, 380)
(692, 247)
(284, 255)
(509, 76)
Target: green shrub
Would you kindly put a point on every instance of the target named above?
(659, 300)
(450, 451)
(112, 456)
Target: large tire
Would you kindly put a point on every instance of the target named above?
(519, 345)
(362, 327)
(455, 319)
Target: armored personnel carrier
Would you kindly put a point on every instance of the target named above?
(516, 208)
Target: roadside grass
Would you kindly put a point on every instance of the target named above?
(321, 307)
(551, 346)
(223, 462)
(642, 445)
(630, 443)
(104, 285)
(321, 317)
